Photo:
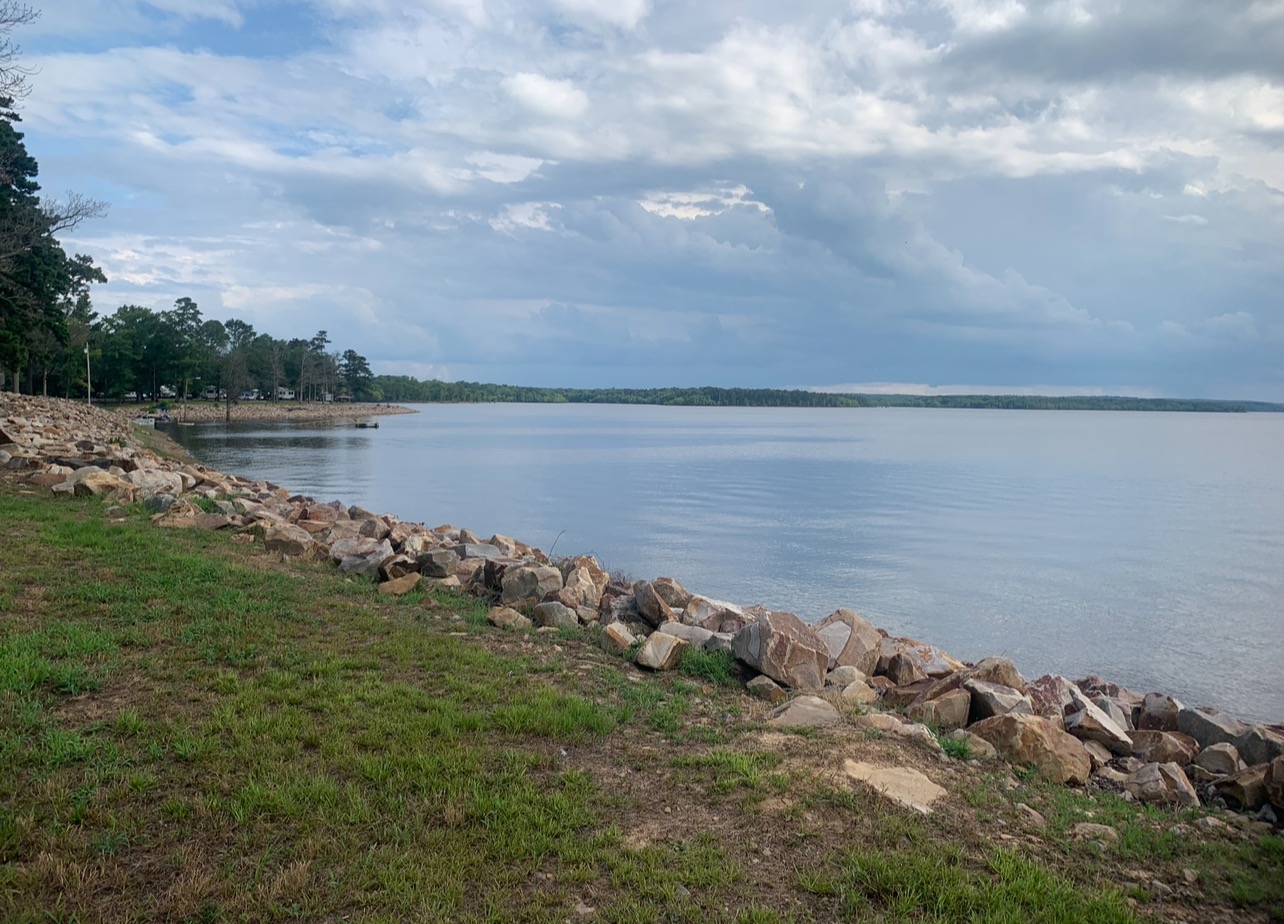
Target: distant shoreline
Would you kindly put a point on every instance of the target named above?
(210, 412)
(404, 390)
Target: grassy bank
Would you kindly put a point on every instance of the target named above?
(191, 731)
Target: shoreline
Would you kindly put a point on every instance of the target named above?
(210, 412)
(1089, 729)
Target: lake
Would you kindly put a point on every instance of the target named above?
(1147, 548)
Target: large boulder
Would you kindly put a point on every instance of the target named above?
(651, 605)
(1090, 723)
(1246, 789)
(525, 585)
(784, 648)
(436, 563)
(714, 615)
(1159, 712)
(94, 481)
(946, 712)
(991, 699)
(903, 670)
(1210, 726)
(671, 592)
(1259, 745)
(290, 540)
(1037, 742)
(1052, 695)
(1161, 784)
(555, 614)
(851, 641)
(1219, 760)
(661, 651)
(584, 587)
(1163, 747)
(364, 555)
(930, 660)
(156, 481)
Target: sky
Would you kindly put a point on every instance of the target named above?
(1066, 197)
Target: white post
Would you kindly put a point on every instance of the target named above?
(89, 381)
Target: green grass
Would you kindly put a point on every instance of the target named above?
(189, 731)
(717, 667)
(942, 886)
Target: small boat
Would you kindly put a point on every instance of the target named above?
(367, 425)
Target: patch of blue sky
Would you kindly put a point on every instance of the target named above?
(273, 30)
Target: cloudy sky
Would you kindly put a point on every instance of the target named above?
(1066, 196)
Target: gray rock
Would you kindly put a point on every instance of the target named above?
(159, 503)
(1161, 784)
(844, 675)
(555, 614)
(1259, 745)
(524, 585)
(437, 563)
(990, 699)
(693, 634)
(1209, 726)
(1159, 712)
(478, 550)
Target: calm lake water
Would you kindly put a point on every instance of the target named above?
(1147, 548)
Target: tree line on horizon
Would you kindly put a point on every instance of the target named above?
(404, 388)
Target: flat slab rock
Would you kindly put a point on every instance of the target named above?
(805, 710)
(905, 786)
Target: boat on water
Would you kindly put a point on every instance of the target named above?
(367, 425)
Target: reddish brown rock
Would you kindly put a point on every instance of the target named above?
(1163, 747)
(1037, 742)
(1051, 694)
(784, 648)
(1159, 713)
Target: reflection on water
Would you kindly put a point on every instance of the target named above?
(1148, 548)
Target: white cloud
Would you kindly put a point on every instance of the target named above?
(558, 99)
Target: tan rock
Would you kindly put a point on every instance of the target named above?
(851, 641)
(1161, 784)
(860, 693)
(671, 592)
(1086, 830)
(905, 786)
(616, 638)
(1089, 723)
(946, 712)
(1037, 742)
(1245, 789)
(806, 711)
(784, 648)
(991, 699)
(903, 670)
(763, 687)
(661, 652)
(505, 617)
(1220, 760)
(399, 587)
(290, 540)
